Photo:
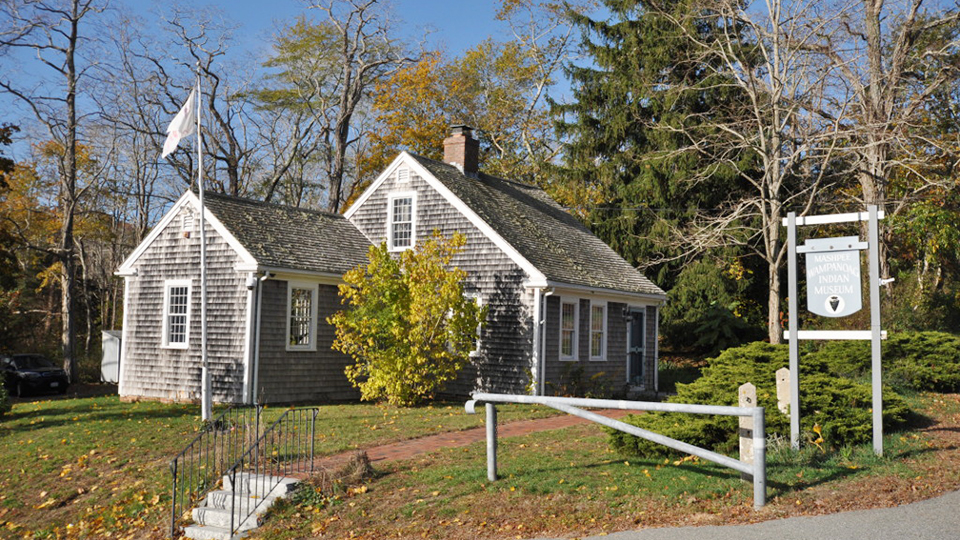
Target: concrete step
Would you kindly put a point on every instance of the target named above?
(254, 495)
(206, 532)
(222, 499)
(257, 485)
(218, 517)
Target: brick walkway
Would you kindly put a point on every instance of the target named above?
(455, 439)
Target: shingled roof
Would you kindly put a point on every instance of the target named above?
(291, 238)
(551, 239)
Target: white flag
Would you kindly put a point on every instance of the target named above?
(183, 124)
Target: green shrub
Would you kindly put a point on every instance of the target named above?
(840, 406)
(918, 361)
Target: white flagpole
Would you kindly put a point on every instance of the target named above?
(206, 403)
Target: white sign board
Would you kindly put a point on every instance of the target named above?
(833, 276)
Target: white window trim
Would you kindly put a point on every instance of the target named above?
(412, 195)
(315, 296)
(575, 302)
(165, 333)
(606, 335)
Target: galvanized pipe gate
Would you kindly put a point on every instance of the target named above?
(758, 469)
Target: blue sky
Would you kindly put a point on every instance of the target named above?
(456, 25)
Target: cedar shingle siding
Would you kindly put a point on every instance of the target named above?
(151, 371)
(300, 376)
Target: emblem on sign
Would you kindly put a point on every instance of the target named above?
(833, 276)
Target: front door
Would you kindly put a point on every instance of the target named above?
(635, 349)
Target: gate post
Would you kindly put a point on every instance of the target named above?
(491, 442)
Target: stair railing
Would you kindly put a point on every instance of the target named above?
(198, 468)
(286, 448)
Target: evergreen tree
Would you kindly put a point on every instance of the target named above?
(632, 170)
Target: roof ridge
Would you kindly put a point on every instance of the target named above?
(256, 202)
(479, 173)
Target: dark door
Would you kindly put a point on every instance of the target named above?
(635, 351)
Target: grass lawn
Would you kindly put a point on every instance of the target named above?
(567, 482)
(99, 468)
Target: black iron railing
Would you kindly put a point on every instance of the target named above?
(198, 469)
(284, 449)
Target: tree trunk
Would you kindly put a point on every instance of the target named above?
(68, 190)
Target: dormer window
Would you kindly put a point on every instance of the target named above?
(401, 226)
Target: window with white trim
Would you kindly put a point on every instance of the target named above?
(598, 331)
(301, 316)
(569, 322)
(400, 221)
(176, 313)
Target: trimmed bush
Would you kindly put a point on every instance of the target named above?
(841, 407)
(917, 361)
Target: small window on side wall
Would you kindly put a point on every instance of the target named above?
(598, 331)
(569, 322)
(176, 313)
(301, 316)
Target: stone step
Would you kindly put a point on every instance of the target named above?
(206, 532)
(218, 517)
(258, 485)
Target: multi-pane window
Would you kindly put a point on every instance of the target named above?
(302, 321)
(176, 314)
(401, 222)
(598, 328)
(568, 330)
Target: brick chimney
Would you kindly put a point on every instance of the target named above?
(461, 149)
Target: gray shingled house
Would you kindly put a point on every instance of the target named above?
(564, 308)
(272, 275)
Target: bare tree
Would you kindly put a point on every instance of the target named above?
(51, 29)
(758, 55)
(328, 70)
(893, 57)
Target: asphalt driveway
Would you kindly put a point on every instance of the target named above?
(933, 519)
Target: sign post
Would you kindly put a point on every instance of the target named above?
(833, 290)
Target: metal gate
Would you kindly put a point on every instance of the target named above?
(758, 469)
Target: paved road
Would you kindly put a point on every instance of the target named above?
(933, 519)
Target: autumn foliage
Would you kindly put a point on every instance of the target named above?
(407, 324)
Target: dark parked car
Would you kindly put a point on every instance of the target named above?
(27, 373)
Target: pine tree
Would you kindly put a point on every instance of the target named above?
(632, 169)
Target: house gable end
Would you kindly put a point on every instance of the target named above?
(406, 160)
(248, 262)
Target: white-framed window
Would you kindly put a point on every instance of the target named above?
(176, 313)
(598, 331)
(301, 316)
(569, 324)
(401, 221)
